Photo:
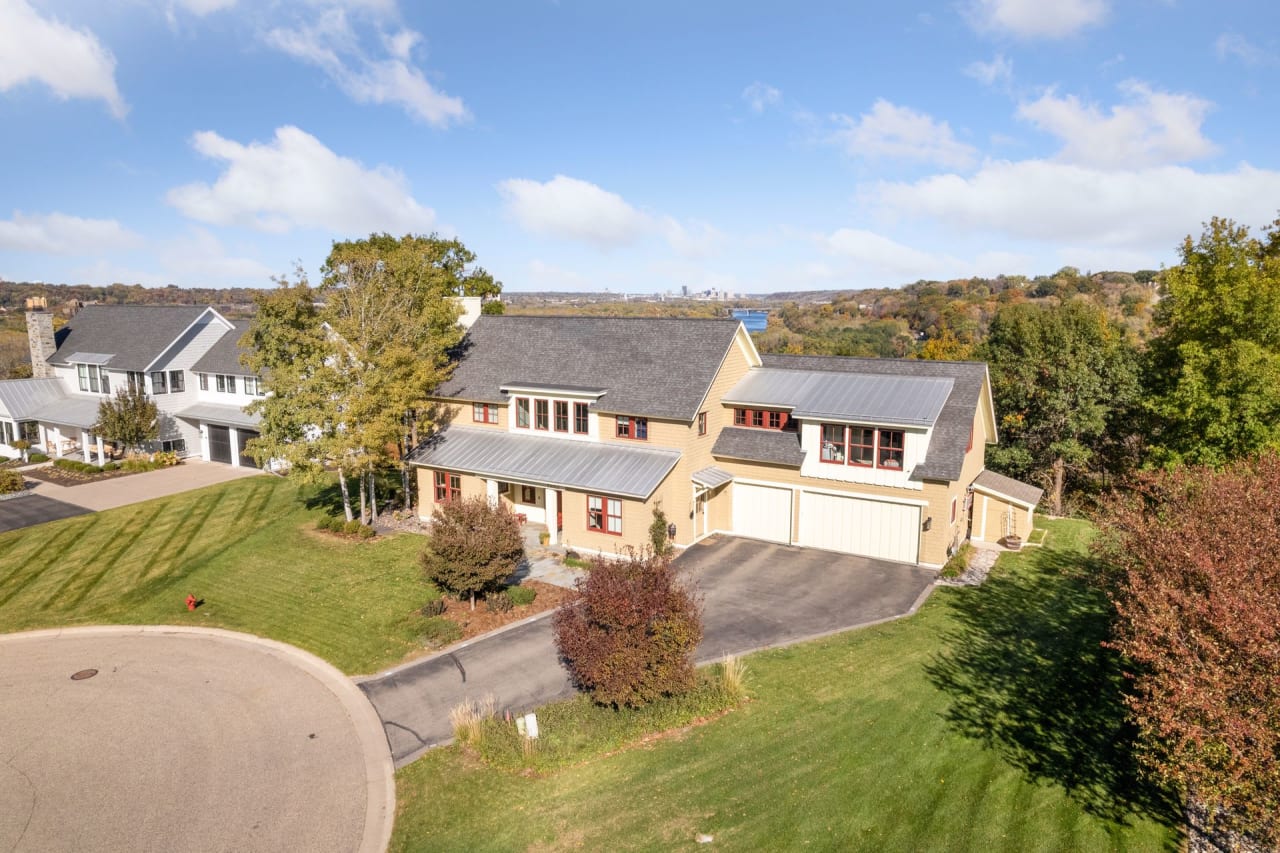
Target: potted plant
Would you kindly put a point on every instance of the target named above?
(544, 537)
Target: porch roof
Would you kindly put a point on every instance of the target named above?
(711, 477)
(632, 472)
(21, 398)
(69, 411)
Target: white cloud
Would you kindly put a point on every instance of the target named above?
(894, 132)
(1148, 210)
(760, 96)
(201, 8)
(199, 259)
(295, 181)
(334, 46)
(60, 234)
(1153, 128)
(997, 72)
(1032, 19)
(71, 62)
(1236, 46)
(882, 257)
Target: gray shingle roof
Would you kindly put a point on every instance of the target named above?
(20, 398)
(133, 335)
(781, 447)
(224, 355)
(824, 395)
(951, 429)
(655, 367)
(1009, 487)
(588, 466)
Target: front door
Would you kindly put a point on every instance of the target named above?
(219, 444)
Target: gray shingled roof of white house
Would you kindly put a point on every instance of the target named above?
(632, 472)
(652, 367)
(21, 398)
(1009, 487)
(859, 397)
(780, 447)
(132, 335)
(953, 426)
(224, 355)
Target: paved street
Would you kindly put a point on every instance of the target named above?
(756, 595)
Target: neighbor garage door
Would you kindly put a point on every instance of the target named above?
(219, 444)
(762, 512)
(243, 436)
(858, 526)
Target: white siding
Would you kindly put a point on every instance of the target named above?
(762, 512)
(915, 446)
(186, 351)
(871, 528)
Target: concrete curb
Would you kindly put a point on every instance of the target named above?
(380, 794)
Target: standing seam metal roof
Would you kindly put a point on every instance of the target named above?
(875, 399)
(652, 367)
(565, 463)
(21, 398)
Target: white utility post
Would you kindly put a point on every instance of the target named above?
(553, 512)
(491, 492)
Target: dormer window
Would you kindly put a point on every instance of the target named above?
(863, 446)
(760, 418)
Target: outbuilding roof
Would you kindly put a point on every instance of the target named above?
(999, 484)
(632, 472)
(779, 447)
(224, 355)
(952, 429)
(129, 337)
(858, 397)
(20, 399)
(654, 367)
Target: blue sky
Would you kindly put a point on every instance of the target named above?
(631, 146)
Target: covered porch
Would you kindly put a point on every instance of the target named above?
(66, 430)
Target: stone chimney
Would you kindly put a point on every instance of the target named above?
(40, 341)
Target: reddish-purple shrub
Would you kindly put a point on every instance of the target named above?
(474, 547)
(628, 638)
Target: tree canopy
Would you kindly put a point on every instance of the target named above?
(130, 418)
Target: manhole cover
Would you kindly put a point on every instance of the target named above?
(83, 674)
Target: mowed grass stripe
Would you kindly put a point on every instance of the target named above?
(79, 536)
(171, 530)
(130, 536)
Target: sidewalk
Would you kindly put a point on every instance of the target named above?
(122, 491)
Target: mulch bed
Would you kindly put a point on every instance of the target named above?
(482, 621)
(63, 477)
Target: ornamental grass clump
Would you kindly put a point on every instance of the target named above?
(468, 718)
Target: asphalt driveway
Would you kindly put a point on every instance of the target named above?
(33, 509)
(756, 595)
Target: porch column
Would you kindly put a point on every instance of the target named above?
(235, 446)
(491, 491)
(553, 510)
(102, 453)
(56, 441)
(84, 445)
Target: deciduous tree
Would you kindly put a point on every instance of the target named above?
(473, 548)
(1196, 585)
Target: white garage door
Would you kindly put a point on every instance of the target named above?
(762, 512)
(858, 526)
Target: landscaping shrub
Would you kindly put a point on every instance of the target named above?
(366, 532)
(37, 457)
(10, 481)
(521, 595)
(658, 532)
(326, 522)
(439, 631)
(434, 607)
(498, 602)
(165, 459)
(352, 527)
(111, 466)
(959, 561)
(468, 719)
(629, 637)
(474, 547)
(77, 466)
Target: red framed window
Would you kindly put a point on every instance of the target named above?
(890, 453)
(757, 418)
(604, 515)
(862, 446)
(775, 420)
(636, 428)
(580, 420)
(833, 444)
(541, 419)
(448, 487)
(739, 417)
(562, 415)
(702, 423)
(522, 412)
(483, 413)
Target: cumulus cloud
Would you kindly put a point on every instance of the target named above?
(1236, 46)
(760, 96)
(1036, 19)
(860, 258)
(332, 44)
(997, 72)
(1152, 128)
(71, 63)
(201, 8)
(295, 181)
(1061, 203)
(61, 234)
(892, 132)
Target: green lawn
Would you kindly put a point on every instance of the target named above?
(246, 548)
(988, 721)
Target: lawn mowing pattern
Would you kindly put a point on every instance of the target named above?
(246, 548)
(856, 742)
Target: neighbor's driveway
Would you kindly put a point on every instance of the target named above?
(121, 491)
(756, 595)
(33, 509)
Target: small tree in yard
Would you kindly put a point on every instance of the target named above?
(1196, 586)
(130, 418)
(474, 547)
(630, 635)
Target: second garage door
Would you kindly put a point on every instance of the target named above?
(870, 528)
(762, 512)
(219, 444)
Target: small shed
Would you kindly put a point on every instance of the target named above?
(1002, 506)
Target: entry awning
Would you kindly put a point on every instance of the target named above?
(223, 415)
(711, 477)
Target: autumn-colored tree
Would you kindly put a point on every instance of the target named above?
(1195, 579)
(473, 548)
(630, 635)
